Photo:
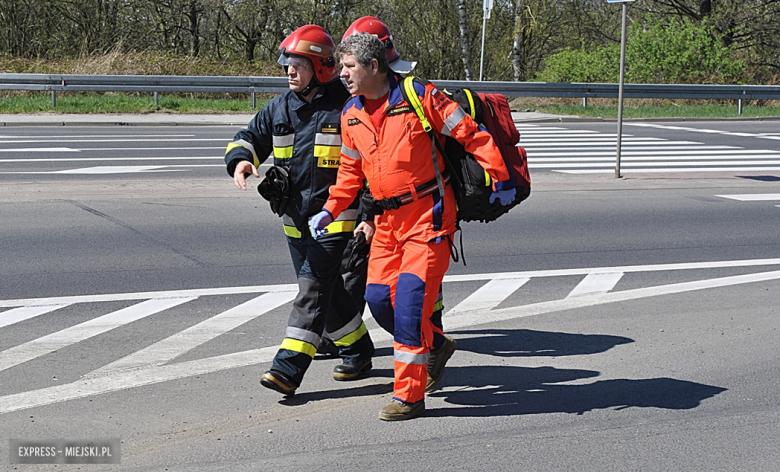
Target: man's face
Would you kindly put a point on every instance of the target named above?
(299, 73)
(356, 75)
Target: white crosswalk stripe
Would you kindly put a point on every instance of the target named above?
(588, 152)
(41, 346)
(156, 363)
(489, 295)
(176, 345)
(26, 312)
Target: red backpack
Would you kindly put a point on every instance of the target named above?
(471, 183)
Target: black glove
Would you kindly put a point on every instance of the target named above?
(275, 188)
(358, 252)
(368, 207)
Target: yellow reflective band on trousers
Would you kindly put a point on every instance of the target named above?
(335, 227)
(292, 232)
(339, 227)
(299, 346)
(283, 152)
(352, 337)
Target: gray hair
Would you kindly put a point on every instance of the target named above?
(364, 48)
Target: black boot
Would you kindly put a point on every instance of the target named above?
(352, 370)
(278, 381)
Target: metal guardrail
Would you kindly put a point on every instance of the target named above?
(252, 85)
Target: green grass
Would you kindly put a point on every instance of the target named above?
(121, 103)
(667, 111)
(189, 103)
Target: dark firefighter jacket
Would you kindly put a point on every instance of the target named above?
(305, 139)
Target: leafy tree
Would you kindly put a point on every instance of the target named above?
(656, 52)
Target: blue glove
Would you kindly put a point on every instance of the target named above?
(506, 197)
(318, 223)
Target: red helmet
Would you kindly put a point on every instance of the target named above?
(315, 44)
(373, 25)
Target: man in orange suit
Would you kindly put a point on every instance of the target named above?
(384, 143)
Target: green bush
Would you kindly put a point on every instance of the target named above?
(602, 64)
(676, 52)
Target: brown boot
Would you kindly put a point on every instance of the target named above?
(437, 360)
(397, 411)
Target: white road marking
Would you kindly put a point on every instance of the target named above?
(172, 347)
(109, 170)
(55, 149)
(146, 140)
(191, 148)
(116, 159)
(672, 170)
(638, 163)
(489, 295)
(193, 293)
(596, 282)
(50, 136)
(128, 379)
(585, 152)
(704, 130)
(600, 151)
(135, 378)
(600, 141)
(505, 314)
(635, 155)
(52, 342)
(16, 315)
(753, 197)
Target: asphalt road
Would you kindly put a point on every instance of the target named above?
(604, 324)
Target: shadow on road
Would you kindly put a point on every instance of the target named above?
(511, 391)
(492, 390)
(530, 343)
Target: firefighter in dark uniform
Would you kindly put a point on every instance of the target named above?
(301, 129)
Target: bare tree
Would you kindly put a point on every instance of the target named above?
(464, 39)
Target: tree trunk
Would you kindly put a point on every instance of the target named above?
(464, 39)
(193, 15)
(705, 8)
(518, 50)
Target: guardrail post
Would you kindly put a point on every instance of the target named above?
(254, 101)
(156, 100)
(53, 99)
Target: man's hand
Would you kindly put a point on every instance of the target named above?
(368, 228)
(243, 167)
(506, 197)
(318, 223)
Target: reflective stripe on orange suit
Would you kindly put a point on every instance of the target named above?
(409, 254)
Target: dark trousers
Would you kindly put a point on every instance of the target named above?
(320, 285)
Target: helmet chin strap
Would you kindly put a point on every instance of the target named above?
(312, 84)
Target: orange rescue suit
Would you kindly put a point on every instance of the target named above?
(411, 249)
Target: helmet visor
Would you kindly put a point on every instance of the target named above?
(298, 62)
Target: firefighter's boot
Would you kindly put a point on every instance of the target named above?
(278, 381)
(352, 370)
